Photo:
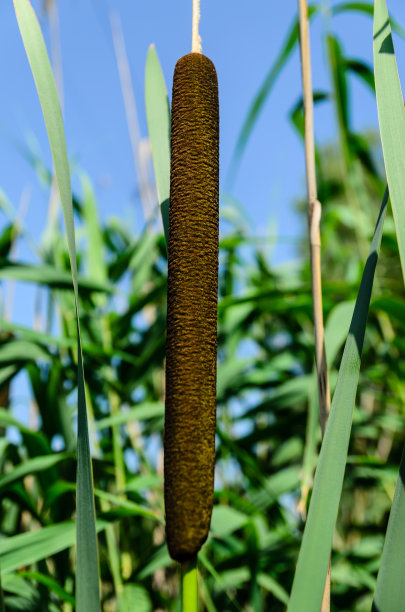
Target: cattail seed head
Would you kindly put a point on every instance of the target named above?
(191, 349)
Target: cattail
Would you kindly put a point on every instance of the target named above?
(191, 349)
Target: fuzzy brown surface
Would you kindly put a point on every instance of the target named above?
(191, 349)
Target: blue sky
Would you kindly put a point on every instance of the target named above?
(241, 38)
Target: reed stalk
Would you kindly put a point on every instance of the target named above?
(314, 217)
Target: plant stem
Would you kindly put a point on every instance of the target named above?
(314, 217)
(195, 36)
(189, 587)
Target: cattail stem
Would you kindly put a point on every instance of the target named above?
(314, 217)
(189, 587)
(195, 36)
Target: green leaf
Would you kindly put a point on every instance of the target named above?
(7, 239)
(391, 116)
(297, 112)
(27, 548)
(144, 411)
(337, 62)
(50, 583)
(158, 117)
(226, 520)
(352, 575)
(337, 328)
(49, 276)
(87, 574)
(134, 509)
(7, 373)
(361, 7)
(95, 244)
(366, 8)
(361, 70)
(390, 590)
(63, 341)
(264, 91)
(134, 597)
(160, 559)
(21, 350)
(32, 466)
(272, 586)
(309, 580)
(15, 583)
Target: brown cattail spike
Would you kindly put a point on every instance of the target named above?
(191, 349)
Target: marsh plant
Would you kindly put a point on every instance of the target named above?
(308, 511)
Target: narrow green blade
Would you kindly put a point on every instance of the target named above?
(309, 580)
(390, 590)
(32, 466)
(336, 330)
(95, 246)
(158, 117)
(87, 577)
(27, 548)
(391, 116)
(49, 276)
(367, 9)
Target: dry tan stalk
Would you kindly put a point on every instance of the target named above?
(314, 217)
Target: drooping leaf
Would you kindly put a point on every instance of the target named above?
(27, 548)
(368, 9)
(226, 519)
(144, 411)
(32, 466)
(49, 276)
(297, 113)
(264, 91)
(49, 582)
(362, 70)
(15, 351)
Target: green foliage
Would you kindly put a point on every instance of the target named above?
(268, 436)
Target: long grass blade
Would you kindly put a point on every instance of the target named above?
(158, 117)
(28, 548)
(391, 116)
(390, 589)
(87, 574)
(312, 566)
(264, 91)
(49, 276)
(366, 8)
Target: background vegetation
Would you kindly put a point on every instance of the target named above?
(267, 435)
